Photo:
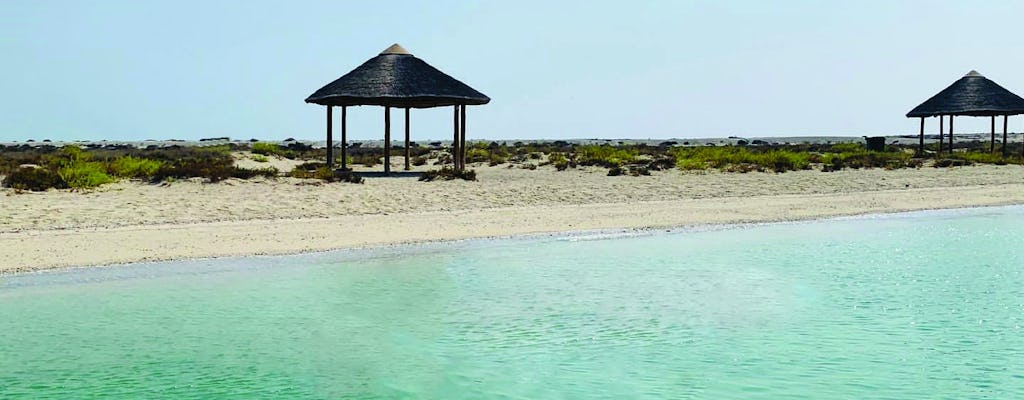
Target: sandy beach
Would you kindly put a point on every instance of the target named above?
(134, 221)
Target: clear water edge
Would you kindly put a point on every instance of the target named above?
(571, 235)
(720, 312)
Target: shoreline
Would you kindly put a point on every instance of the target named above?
(37, 250)
(364, 252)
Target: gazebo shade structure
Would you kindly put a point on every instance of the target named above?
(973, 95)
(396, 78)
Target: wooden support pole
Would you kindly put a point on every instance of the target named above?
(455, 138)
(992, 143)
(920, 140)
(387, 139)
(942, 129)
(950, 135)
(344, 138)
(407, 167)
(1006, 120)
(330, 139)
(462, 139)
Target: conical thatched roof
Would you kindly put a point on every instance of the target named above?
(973, 95)
(398, 79)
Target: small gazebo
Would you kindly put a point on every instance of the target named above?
(398, 79)
(973, 95)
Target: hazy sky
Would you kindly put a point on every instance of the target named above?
(132, 70)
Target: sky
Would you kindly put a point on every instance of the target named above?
(136, 70)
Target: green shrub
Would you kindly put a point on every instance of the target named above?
(265, 149)
(213, 165)
(639, 170)
(862, 158)
(71, 154)
(314, 171)
(308, 171)
(740, 159)
(311, 166)
(131, 167)
(985, 158)
(84, 174)
(260, 158)
(448, 174)
(559, 160)
(443, 158)
(72, 165)
(948, 162)
(661, 163)
(605, 155)
(846, 148)
(271, 149)
(783, 160)
(35, 179)
(474, 155)
(221, 149)
(691, 164)
(367, 159)
(496, 159)
(247, 173)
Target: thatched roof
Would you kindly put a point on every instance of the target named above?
(398, 79)
(973, 95)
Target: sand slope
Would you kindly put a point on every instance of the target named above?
(133, 221)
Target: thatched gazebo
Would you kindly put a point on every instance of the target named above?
(396, 78)
(975, 96)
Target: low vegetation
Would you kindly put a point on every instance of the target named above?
(134, 167)
(447, 174)
(44, 166)
(271, 149)
(641, 160)
(34, 178)
(740, 159)
(249, 173)
(605, 155)
(984, 157)
(72, 167)
(319, 170)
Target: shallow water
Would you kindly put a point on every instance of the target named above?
(915, 306)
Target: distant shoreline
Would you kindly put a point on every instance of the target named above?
(930, 137)
(583, 234)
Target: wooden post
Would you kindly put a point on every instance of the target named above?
(387, 139)
(330, 139)
(920, 140)
(942, 129)
(1006, 119)
(992, 143)
(950, 135)
(407, 167)
(344, 138)
(462, 140)
(455, 138)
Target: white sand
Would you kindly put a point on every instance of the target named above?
(132, 221)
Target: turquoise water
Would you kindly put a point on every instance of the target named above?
(916, 306)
